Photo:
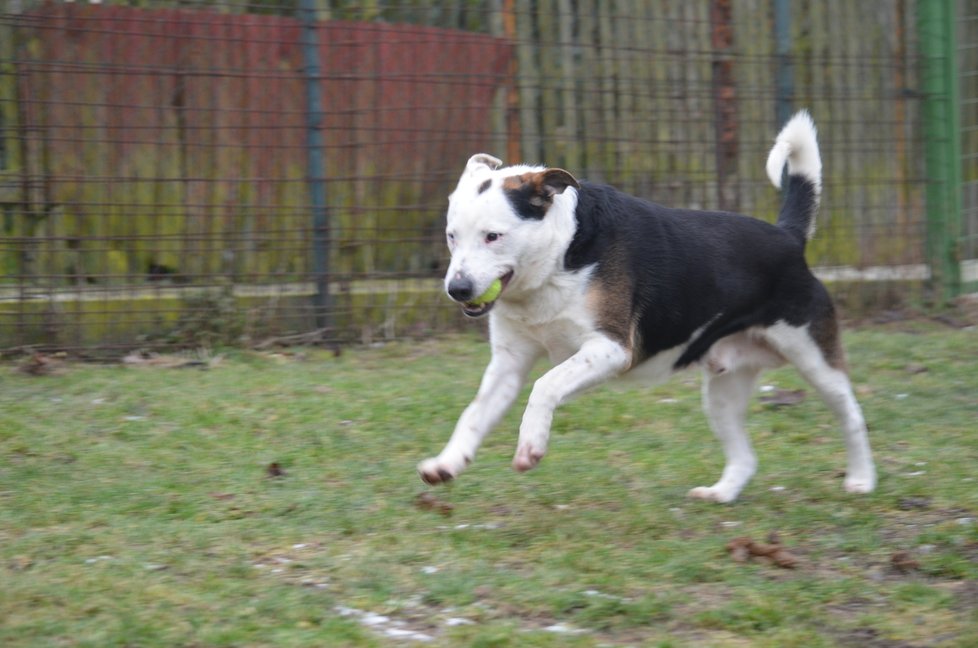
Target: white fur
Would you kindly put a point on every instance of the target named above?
(537, 247)
(796, 144)
(544, 312)
(725, 400)
(798, 347)
(730, 374)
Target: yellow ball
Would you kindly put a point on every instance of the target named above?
(492, 292)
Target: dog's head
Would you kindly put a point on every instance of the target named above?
(505, 223)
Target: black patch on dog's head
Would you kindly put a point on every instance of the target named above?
(532, 194)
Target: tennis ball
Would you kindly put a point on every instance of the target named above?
(492, 292)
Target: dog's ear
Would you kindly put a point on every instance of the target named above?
(554, 181)
(547, 184)
(532, 194)
(480, 161)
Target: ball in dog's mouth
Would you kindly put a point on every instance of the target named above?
(478, 309)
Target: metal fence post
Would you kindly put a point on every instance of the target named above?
(942, 133)
(315, 157)
(725, 103)
(785, 72)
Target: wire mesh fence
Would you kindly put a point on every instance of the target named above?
(203, 172)
(968, 61)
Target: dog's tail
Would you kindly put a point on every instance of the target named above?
(797, 144)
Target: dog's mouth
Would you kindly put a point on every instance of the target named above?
(472, 309)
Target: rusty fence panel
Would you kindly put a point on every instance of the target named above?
(153, 158)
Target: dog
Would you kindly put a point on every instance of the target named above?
(608, 285)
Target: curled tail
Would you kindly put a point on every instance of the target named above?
(797, 144)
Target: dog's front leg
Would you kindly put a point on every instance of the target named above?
(501, 384)
(597, 360)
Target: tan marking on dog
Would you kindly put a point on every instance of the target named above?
(826, 334)
(517, 181)
(543, 184)
(612, 310)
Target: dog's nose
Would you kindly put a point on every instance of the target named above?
(460, 288)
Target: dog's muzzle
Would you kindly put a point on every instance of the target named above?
(461, 288)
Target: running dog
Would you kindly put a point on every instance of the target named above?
(606, 284)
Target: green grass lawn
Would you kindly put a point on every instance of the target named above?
(137, 508)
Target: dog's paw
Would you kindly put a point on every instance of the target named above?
(527, 458)
(860, 485)
(860, 477)
(712, 494)
(432, 472)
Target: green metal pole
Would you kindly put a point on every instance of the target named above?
(942, 143)
(316, 163)
(955, 214)
(785, 72)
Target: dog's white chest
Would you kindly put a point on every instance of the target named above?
(561, 339)
(560, 332)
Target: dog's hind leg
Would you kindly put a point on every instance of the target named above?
(597, 360)
(726, 395)
(501, 383)
(821, 362)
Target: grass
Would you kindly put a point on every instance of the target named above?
(137, 508)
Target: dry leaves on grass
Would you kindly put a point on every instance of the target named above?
(200, 359)
(39, 364)
(742, 549)
(426, 501)
(904, 562)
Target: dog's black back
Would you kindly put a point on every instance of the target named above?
(686, 270)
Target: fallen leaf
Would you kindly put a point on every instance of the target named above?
(903, 562)
(915, 368)
(275, 470)
(763, 549)
(426, 501)
(738, 549)
(742, 548)
(39, 364)
(785, 559)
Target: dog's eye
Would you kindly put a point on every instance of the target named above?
(493, 236)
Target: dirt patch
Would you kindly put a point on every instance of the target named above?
(870, 638)
(966, 307)
(966, 595)
(961, 314)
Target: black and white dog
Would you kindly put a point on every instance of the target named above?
(606, 284)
